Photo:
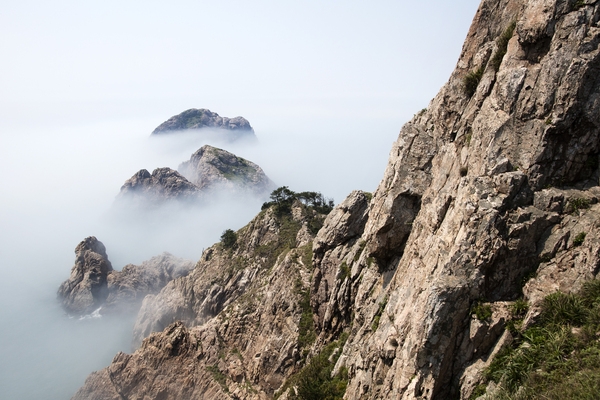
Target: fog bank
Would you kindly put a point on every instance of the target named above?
(59, 187)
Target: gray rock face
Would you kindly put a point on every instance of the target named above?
(210, 167)
(128, 288)
(164, 184)
(203, 118)
(87, 287)
(94, 284)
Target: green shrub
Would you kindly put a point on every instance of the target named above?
(344, 271)
(282, 199)
(471, 81)
(229, 239)
(315, 380)
(578, 240)
(483, 312)
(563, 309)
(551, 360)
(502, 43)
(306, 327)
(578, 4)
(377, 317)
(519, 308)
(578, 203)
(218, 376)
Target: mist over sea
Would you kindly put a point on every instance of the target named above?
(58, 187)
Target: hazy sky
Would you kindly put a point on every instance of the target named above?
(326, 86)
(78, 61)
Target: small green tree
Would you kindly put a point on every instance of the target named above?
(229, 238)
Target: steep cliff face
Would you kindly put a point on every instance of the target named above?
(484, 200)
(465, 211)
(247, 317)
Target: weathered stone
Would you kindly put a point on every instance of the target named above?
(482, 199)
(95, 286)
(87, 287)
(210, 168)
(163, 185)
(203, 118)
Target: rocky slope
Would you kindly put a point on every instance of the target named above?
(490, 194)
(245, 304)
(202, 118)
(94, 285)
(207, 170)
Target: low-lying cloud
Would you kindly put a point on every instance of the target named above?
(59, 187)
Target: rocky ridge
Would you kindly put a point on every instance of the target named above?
(484, 200)
(244, 304)
(208, 169)
(95, 285)
(203, 118)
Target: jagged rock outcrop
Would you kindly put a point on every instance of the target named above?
(164, 184)
(455, 220)
(210, 167)
(202, 118)
(87, 287)
(128, 288)
(489, 195)
(242, 308)
(94, 285)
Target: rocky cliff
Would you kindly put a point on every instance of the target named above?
(490, 195)
(202, 118)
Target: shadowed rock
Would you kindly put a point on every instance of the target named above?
(87, 287)
(164, 184)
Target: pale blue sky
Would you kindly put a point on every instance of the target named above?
(85, 60)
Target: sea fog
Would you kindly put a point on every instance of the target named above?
(326, 86)
(59, 185)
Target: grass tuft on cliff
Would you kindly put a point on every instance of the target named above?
(557, 358)
(502, 43)
(316, 382)
(471, 81)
